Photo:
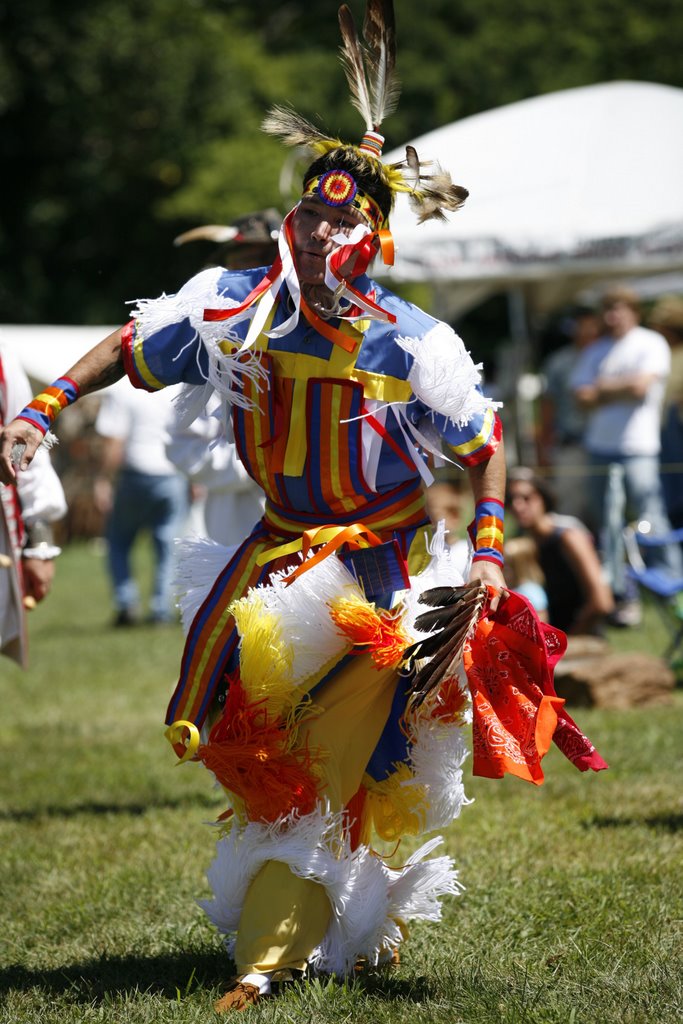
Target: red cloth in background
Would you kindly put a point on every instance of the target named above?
(509, 662)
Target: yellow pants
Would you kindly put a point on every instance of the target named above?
(285, 917)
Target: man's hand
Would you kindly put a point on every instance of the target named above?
(38, 576)
(492, 575)
(18, 432)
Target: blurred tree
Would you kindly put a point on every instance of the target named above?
(124, 122)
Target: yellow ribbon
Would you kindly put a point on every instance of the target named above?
(185, 747)
(331, 537)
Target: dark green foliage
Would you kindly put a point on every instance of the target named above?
(124, 122)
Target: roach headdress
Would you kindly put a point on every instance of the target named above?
(353, 175)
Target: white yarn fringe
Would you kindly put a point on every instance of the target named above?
(49, 441)
(437, 754)
(443, 375)
(368, 899)
(304, 616)
(442, 571)
(225, 371)
(200, 562)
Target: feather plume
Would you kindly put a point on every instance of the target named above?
(292, 128)
(353, 62)
(379, 34)
(437, 193)
(412, 163)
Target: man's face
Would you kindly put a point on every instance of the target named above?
(619, 318)
(313, 226)
(526, 503)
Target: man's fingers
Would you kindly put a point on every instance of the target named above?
(499, 598)
(19, 444)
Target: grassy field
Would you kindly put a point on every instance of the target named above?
(572, 909)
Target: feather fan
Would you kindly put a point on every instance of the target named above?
(457, 611)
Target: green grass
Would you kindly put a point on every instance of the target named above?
(572, 910)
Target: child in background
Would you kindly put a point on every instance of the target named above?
(524, 574)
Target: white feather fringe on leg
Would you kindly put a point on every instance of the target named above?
(368, 898)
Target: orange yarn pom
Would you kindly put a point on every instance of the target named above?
(256, 758)
(377, 630)
(449, 702)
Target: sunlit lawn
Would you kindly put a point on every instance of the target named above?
(572, 910)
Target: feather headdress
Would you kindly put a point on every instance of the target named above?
(370, 68)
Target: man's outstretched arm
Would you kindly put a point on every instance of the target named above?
(101, 366)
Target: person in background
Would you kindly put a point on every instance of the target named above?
(140, 490)
(523, 573)
(579, 599)
(666, 317)
(620, 380)
(563, 421)
(445, 500)
(27, 512)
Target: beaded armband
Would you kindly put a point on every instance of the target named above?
(486, 531)
(46, 407)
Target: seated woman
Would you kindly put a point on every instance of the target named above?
(579, 598)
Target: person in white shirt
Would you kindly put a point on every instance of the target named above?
(621, 380)
(27, 511)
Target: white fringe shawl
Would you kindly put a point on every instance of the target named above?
(438, 752)
(301, 608)
(225, 371)
(443, 375)
(368, 898)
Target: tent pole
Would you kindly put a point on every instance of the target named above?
(522, 416)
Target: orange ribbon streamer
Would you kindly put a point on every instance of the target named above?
(355, 536)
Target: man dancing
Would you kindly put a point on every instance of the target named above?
(294, 688)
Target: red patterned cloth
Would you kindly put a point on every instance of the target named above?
(509, 663)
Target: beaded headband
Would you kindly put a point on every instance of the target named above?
(374, 90)
(338, 188)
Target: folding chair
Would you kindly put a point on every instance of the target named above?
(661, 585)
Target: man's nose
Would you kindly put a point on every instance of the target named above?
(322, 230)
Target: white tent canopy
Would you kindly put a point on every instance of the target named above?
(46, 352)
(565, 189)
